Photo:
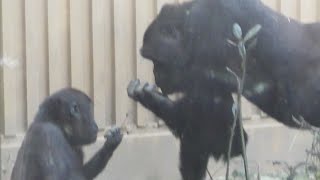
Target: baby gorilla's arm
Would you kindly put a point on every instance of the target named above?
(101, 158)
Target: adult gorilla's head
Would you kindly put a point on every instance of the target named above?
(164, 45)
(185, 42)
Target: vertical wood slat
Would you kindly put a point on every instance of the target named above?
(81, 44)
(1, 92)
(103, 71)
(14, 79)
(160, 3)
(1, 81)
(58, 44)
(182, 1)
(36, 55)
(144, 16)
(290, 8)
(27, 80)
(274, 4)
(124, 58)
(318, 10)
(308, 11)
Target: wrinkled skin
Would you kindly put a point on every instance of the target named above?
(282, 71)
(52, 147)
(201, 120)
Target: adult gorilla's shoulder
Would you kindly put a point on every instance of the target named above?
(282, 69)
(284, 63)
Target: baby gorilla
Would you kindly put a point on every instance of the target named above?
(52, 148)
(201, 120)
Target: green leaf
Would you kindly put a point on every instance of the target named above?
(252, 32)
(237, 32)
(252, 44)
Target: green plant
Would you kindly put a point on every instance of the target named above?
(241, 45)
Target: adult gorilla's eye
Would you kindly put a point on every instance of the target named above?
(74, 109)
(169, 31)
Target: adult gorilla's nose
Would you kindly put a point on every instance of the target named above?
(147, 53)
(142, 52)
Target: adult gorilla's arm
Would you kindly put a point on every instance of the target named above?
(159, 104)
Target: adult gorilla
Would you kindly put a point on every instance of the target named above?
(283, 77)
(202, 118)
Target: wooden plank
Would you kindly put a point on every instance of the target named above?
(182, 1)
(274, 4)
(124, 38)
(308, 11)
(81, 44)
(14, 79)
(144, 15)
(290, 8)
(318, 10)
(58, 45)
(160, 3)
(36, 55)
(1, 81)
(103, 56)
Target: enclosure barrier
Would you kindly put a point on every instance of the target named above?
(92, 45)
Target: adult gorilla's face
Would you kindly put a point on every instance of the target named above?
(164, 45)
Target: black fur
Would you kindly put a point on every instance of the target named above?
(283, 70)
(201, 120)
(52, 147)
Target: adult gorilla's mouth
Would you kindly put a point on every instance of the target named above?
(146, 54)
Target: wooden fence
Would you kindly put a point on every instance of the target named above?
(92, 45)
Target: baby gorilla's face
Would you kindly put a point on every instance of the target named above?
(73, 110)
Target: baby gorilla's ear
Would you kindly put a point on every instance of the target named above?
(52, 107)
(74, 110)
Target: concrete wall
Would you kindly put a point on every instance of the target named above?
(153, 155)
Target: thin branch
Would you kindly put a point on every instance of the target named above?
(244, 155)
(237, 32)
(233, 127)
(208, 172)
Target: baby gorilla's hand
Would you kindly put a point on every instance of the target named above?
(114, 137)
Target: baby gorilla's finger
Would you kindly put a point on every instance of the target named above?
(115, 131)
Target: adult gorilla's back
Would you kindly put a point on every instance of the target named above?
(282, 71)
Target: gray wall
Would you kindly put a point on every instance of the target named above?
(153, 155)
